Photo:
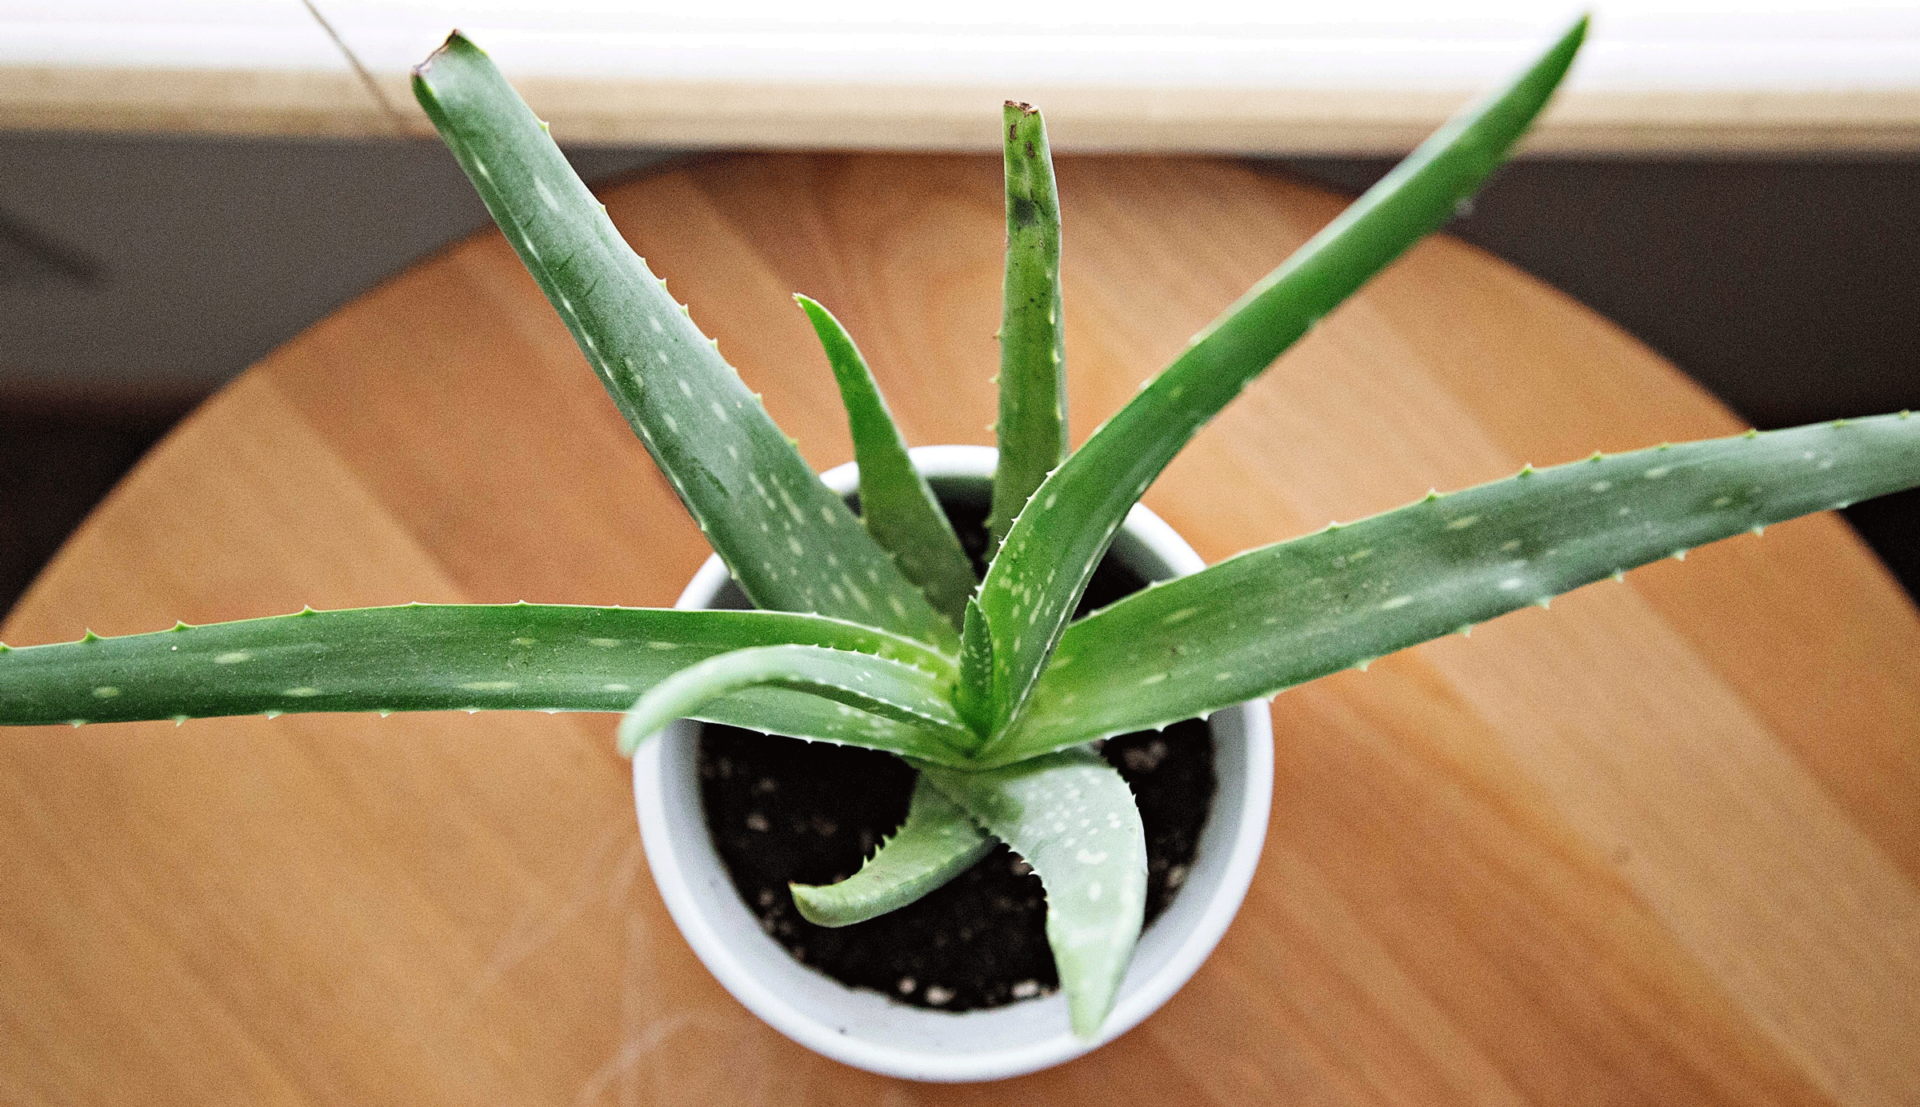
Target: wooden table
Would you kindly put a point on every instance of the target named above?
(1660, 844)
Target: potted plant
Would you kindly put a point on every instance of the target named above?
(873, 632)
(922, 1038)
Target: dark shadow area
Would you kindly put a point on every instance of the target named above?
(1787, 288)
(57, 460)
(173, 262)
(1891, 525)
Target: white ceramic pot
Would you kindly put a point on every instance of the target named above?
(870, 1031)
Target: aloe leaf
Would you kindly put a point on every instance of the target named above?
(425, 657)
(896, 505)
(1030, 591)
(856, 681)
(1287, 613)
(1072, 817)
(1032, 428)
(790, 542)
(973, 694)
(937, 843)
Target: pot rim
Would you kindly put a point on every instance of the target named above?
(865, 1029)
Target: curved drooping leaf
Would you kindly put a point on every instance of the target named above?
(1287, 613)
(937, 843)
(1048, 555)
(1072, 817)
(427, 657)
(896, 505)
(765, 512)
(1032, 427)
(859, 682)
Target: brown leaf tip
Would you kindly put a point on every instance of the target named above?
(454, 39)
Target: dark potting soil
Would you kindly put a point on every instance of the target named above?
(782, 810)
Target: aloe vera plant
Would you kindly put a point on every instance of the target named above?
(873, 630)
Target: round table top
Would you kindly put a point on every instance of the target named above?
(1658, 844)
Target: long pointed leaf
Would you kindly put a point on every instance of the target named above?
(1032, 428)
(425, 657)
(1050, 552)
(856, 681)
(896, 505)
(937, 843)
(1072, 817)
(1283, 614)
(765, 512)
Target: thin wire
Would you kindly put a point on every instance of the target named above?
(400, 125)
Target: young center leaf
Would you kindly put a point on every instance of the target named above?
(937, 843)
(1052, 548)
(973, 695)
(1071, 817)
(764, 511)
(428, 657)
(1287, 613)
(919, 699)
(1032, 427)
(896, 505)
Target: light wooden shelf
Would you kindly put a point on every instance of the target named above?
(1373, 76)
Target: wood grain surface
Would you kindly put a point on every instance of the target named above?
(1660, 844)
